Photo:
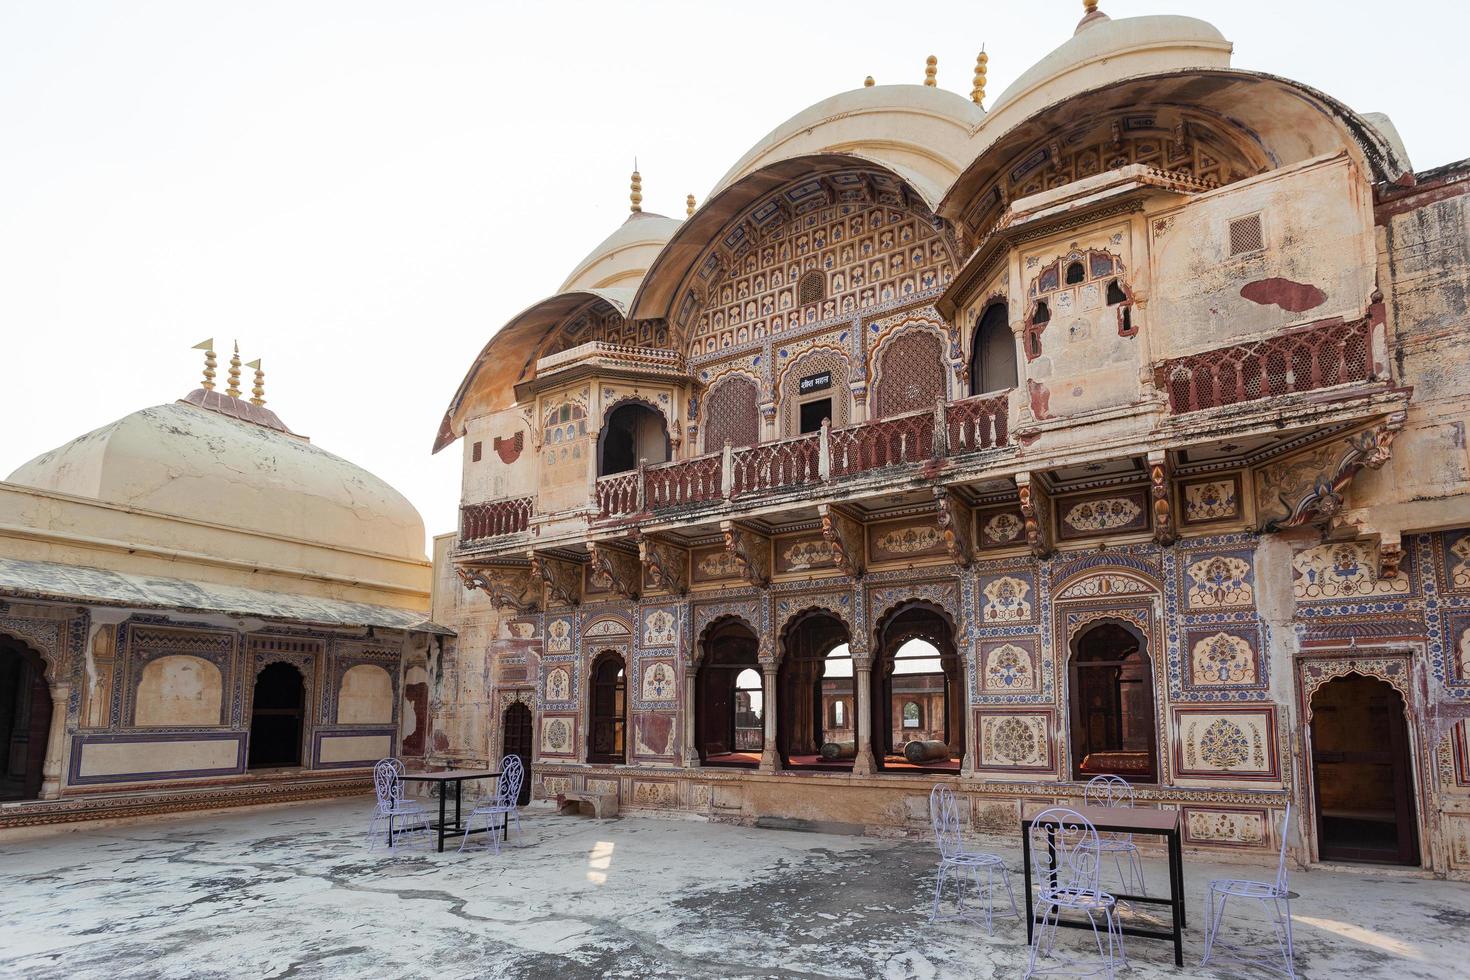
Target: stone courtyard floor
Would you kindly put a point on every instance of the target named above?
(292, 892)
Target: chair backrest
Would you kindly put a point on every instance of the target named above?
(1073, 839)
(386, 783)
(1282, 873)
(944, 814)
(1108, 791)
(508, 787)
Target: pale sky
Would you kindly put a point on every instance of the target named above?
(363, 192)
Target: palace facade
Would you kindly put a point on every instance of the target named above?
(1117, 426)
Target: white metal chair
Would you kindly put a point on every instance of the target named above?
(1275, 899)
(944, 813)
(393, 816)
(1070, 839)
(501, 803)
(1115, 791)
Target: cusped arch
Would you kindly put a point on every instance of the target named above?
(899, 606)
(814, 360)
(179, 690)
(704, 627)
(811, 610)
(732, 412)
(1097, 576)
(911, 369)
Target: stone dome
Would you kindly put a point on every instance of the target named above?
(622, 258)
(219, 460)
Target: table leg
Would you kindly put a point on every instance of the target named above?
(458, 801)
(1026, 870)
(1176, 894)
(1183, 905)
(442, 801)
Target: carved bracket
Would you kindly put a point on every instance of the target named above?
(563, 579)
(667, 564)
(1035, 512)
(751, 551)
(508, 586)
(1159, 473)
(619, 567)
(846, 536)
(1323, 503)
(955, 521)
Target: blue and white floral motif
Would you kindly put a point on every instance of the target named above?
(1219, 582)
(1102, 515)
(1005, 600)
(1458, 572)
(1222, 658)
(1223, 745)
(1341, 570)
(1210, 500)
(658, 681)
(1008, 667)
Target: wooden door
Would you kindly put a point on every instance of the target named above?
(516, 730)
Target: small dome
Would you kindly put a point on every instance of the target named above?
(217, 465)
(624, 256)
(1157, 43)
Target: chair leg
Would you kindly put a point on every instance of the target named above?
(1005, 877)
(1037, 932)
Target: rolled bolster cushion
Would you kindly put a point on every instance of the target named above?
(926, 751)
(838, 750)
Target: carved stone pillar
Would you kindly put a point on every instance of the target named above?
(862, 672)
(55, 743)
(770, 759)
(691, 749)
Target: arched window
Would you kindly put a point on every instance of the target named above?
(609, 710)
(732, 414)
(631, 432)
(1042, 313)
(918, 692)
(816, 673)
(1076, 273)
(1112, 705)
(1115, 293)
(992, 353)
(911, 373)
(729, 708)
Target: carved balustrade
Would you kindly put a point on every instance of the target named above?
(978, 423)
(1302, 360)
(775, 465)
(620, 493)
(493, 519)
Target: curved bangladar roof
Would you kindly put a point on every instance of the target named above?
(510, 356)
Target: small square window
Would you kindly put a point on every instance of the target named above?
(1246, 235)
(476, 451)
(813, 412)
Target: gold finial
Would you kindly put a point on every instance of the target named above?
(234, 389)
(636, 197)
(257, 394)
(931, 68)
(208, 347)
(1089, 6)
(977, 94)
(689, 206)
(868, 82)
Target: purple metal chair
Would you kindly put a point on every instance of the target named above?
(1113, 791)
(501, 803)
(1275, 899)
(1071, 840)
(944, 813)
(410, 817)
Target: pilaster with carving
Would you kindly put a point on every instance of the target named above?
(619, 566)
(1035, 512)
(667, 564)
(751, 551)
(562, 579)
(955, 520)
(846, 536)
(1159, 473)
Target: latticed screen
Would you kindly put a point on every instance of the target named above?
(1245, 235)
(911, 374)
(732, 412)
(812, 288)
(1303, 361)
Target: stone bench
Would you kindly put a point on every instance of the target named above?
(603, 805)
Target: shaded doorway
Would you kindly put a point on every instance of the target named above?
(1362, 773)
(632, 431)
(918, 693)
(1112, 705)
(609, 715)
(816, 725)
(516, 736)
(992, 352)
(277, 716)
(25, 720)
(729, 704)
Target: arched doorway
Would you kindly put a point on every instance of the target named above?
(816, 725)
(992, 352)
(631, 432)
(277, 717)
(609, 710)
(729, 707)
(918, 693)
(25, 720)
(1112, 704)
(516, 740)
(1362, 773)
